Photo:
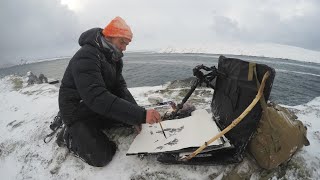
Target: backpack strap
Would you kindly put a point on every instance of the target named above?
(262, 99)
(252, 67)
(274, 135)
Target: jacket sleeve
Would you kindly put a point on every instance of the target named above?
(124, 92)
(91, 87)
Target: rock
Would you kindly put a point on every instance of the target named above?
(188, 82)
(243, 170)
(155, 99)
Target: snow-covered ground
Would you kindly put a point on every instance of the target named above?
(26, 113)
(249, 49)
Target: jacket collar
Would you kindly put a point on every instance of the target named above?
(116, 53)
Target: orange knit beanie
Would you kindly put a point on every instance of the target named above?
(117, 28)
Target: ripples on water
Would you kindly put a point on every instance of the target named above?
(295, 83)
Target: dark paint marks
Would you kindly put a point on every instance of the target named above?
(10, 124)
(160, 147)
(172, 130)
(173, 142)
(17, 125)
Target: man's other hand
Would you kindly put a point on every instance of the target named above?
(153, 116)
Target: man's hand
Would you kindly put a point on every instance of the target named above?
(153, 116)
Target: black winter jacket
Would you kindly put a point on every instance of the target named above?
(93, 86)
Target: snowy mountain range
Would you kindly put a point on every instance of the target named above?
(249, 49)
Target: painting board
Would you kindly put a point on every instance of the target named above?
(185, 133)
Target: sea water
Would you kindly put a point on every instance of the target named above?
(296, 82)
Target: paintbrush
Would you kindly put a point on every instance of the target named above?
(161, 125)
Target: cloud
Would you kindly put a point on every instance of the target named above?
(287, 22)
(162, 23)
(36, 29)
(45, 28)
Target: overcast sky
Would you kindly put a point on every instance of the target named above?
(33, 29)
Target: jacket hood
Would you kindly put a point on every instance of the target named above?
(92, 37)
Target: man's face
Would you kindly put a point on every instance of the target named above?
(120, 43)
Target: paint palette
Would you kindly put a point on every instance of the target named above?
(183, 135)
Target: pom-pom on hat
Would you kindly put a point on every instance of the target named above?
(118, 28)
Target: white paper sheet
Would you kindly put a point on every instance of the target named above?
(188, 132)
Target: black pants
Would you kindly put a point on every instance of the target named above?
(86, 140)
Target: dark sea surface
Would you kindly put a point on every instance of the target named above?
(295, 82)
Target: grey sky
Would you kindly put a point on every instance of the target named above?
(33, 29)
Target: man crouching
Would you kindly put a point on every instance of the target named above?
(93, 95)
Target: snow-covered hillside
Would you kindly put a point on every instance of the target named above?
(26, 113)
(249, 49)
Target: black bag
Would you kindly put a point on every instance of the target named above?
(232, 94)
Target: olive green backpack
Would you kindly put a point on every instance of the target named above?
(279, 135)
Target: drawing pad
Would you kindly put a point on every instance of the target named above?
(185, 133)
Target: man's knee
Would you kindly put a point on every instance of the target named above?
(99, 162)
(90, 144)
(102, 158)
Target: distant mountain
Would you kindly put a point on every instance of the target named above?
(5, 64)
(26, 61)
(251, 49)
(46, 59)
